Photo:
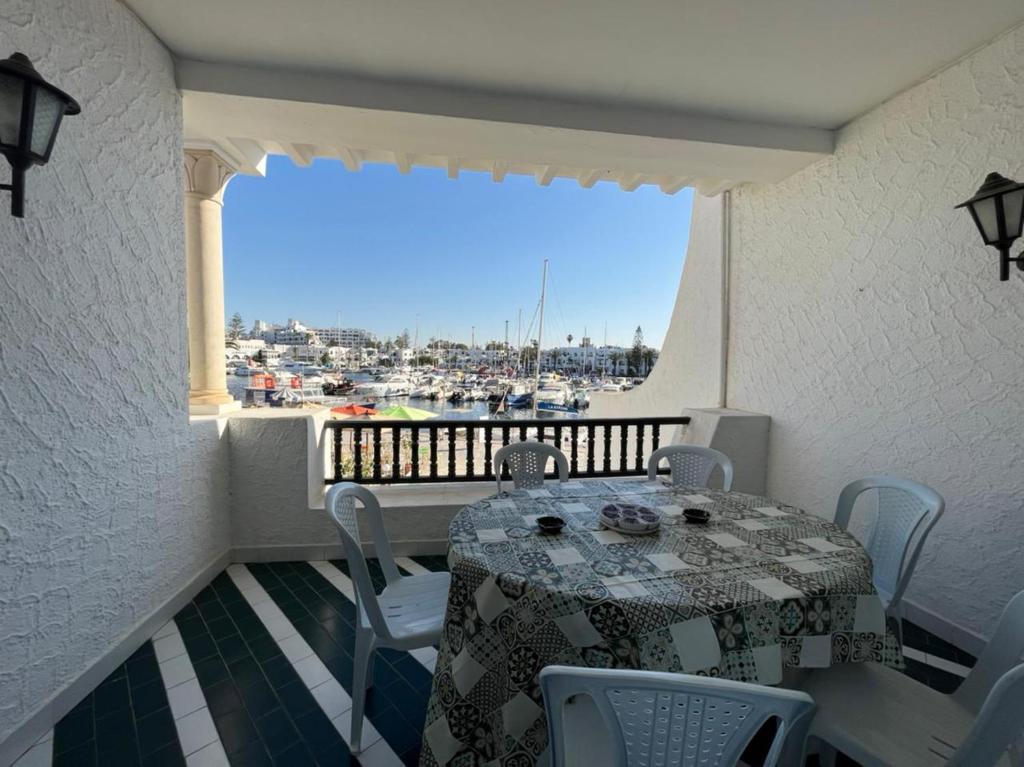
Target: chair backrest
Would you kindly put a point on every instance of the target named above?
(997, 725)
(659, 719)
(526, 462)
(906, 513)
(1003, 651)
(341, 506)
(691, 465)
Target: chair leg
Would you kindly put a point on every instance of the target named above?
(897, 614)
(827, 754)
(371, 664)
(362, 671)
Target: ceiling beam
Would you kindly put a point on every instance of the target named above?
(590, 178)
(301, 154)
(498, 171)
(442, 100)
(546, 175)
(352, 159)
(711, 187)
(403, 162)
(252, 155)
(673, 185)
(630, 182)
(453, 167)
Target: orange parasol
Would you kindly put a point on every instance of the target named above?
(353, 410)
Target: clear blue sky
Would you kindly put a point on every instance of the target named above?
(385, 248)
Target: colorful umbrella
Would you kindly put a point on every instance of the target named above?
(352, 410)
(406, 413)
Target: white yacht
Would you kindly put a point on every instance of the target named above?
(395, 385)
(553, 391)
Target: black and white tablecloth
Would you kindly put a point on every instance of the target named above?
(760, 588)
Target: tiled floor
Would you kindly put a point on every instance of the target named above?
(257, 670)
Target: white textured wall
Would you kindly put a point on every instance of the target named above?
(270, 496)
(109, 501)
(869, 323)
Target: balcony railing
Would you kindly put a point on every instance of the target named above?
(406, 452)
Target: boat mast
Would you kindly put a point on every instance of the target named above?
(415, 346)
(519, 342)
(540, 335)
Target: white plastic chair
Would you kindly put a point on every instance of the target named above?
(406, 615)
(657, 719)
(691, 465)
(879, 716)
(526, 462)
(907, 512)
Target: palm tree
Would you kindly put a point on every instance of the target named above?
(648, 361)
(616, 357)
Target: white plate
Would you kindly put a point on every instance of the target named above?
(617, 529)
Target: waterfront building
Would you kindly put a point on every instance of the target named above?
(350, 337)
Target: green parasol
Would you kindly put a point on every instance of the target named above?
(405, 413)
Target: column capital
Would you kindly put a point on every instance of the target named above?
(207, 174)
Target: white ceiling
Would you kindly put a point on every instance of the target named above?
(705, 93)
(813, 63)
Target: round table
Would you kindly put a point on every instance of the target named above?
(761, 587)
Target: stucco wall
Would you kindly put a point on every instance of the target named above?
(109, 501)
(270, 503)
(868, 321)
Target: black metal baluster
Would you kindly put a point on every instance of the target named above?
(415, 446)
(506, 439)
(598, 462)
(451, 452)
(433, 451)
(590, 449)
(574, 433)
(376, 454)
(357, 445)
(558, 436)
(607, 431)
(396, 453)
(337, 453)
(487, 452)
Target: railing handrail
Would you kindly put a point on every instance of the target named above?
(460, 423)
(393, 451)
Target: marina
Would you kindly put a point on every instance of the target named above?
(447, 395)
(508, 389)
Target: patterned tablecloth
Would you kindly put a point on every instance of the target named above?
(759, 588)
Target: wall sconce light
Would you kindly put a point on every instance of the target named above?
(998, 212)
(30, 113)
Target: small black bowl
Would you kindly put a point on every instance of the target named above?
(697, 515)
(550, 525)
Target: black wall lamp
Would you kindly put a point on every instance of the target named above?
(998, 212)
(30, 113)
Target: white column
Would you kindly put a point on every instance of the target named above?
(206, 176)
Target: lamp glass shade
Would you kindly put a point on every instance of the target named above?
(11, 89)
(49, 109)
(986, 218)
(1013, 208)
(998, 210)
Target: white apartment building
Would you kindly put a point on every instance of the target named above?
(613, 360)
(353, 338)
